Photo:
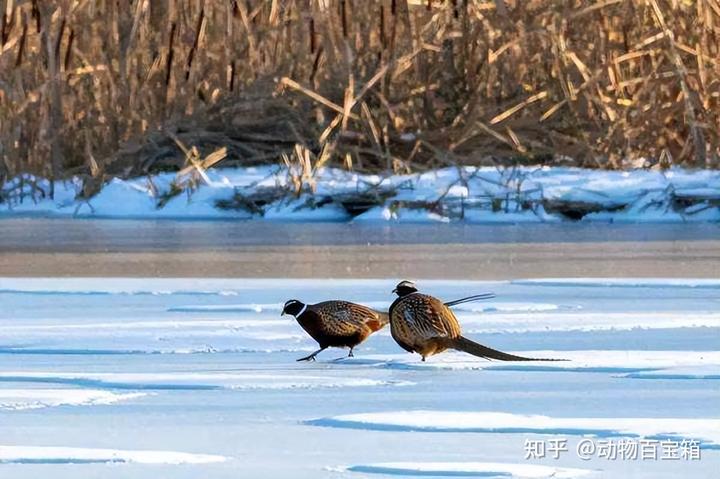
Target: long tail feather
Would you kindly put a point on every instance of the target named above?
(471, 347)
(384, 317)
(468, 299)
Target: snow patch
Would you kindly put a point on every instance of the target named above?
(706, 430)
(195, 381)
(469, 469)
(21, 399)
(76, 455)
(708, 371)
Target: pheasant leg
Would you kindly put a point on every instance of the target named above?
(312, 356)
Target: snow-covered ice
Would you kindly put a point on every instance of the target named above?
(107, 377)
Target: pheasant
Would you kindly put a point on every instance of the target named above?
(344, 324)
(339, 324)
(423, 324)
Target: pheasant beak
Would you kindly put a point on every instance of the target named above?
(394, 290)
(283, 313)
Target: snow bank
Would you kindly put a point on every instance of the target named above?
(469, 469)
(76, 455)
(482, 195)
(705, 430)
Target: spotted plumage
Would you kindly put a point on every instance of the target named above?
(423, 324)
(339, 324)
(420, 322)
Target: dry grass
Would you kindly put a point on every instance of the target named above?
(103, 87)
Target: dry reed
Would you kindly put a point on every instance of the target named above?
(103, 87)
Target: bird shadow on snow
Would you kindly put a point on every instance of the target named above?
(636, 364)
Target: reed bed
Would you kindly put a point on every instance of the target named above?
(99, 88)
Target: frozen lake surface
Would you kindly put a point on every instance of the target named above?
(189, 378)
(169, 248)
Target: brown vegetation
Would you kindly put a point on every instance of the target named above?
(110, 87)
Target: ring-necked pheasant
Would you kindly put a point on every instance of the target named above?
(423, 324)
(343, 324)
(339, 324)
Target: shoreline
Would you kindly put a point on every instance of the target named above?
(474, 195)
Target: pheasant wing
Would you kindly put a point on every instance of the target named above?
(422, 317)
(343, 318)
